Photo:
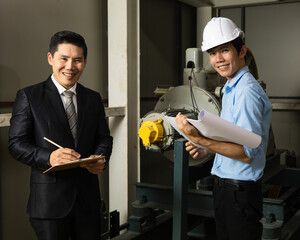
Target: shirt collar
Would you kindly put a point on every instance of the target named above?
(61, 89)
(230, 84)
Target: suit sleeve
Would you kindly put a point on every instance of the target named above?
(21, 142)
(104, 140)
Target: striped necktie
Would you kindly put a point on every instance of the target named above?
(71, 113)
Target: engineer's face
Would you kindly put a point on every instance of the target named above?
(226, 61)
(67, 63)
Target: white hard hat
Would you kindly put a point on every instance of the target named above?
(219, 30)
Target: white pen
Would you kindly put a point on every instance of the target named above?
(55, 144)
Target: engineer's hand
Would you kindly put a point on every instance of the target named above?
(193, 134)
(63, 155)
(94, 167)
(196, 152)
(186, 128)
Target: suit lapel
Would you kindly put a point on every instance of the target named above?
(57, 107)
(81, 108)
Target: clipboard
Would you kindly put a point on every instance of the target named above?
(72, 164)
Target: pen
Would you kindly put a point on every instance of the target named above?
(52, 142)
(104, 160)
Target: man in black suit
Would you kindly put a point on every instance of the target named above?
(66, 204)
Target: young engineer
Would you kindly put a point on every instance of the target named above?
(64, 205)
(237, 169)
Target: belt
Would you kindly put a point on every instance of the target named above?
(234, 184)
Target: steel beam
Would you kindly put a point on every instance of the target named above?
(180, 190)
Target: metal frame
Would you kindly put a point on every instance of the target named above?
(281, 215)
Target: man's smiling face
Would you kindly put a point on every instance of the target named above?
(67, 63)
(226, 60)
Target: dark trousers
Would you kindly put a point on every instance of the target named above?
(78, 225)
(238, 209)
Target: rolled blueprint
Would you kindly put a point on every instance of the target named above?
(214, 127)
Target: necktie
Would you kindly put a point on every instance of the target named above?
(71, 113)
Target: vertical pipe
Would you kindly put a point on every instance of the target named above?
(118, 96)
(133, 98)
(123, 85)
(204, 14)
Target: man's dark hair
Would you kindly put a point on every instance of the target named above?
(67, 37)
(238, 43)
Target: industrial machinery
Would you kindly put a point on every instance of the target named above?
(201, 90)
(186, 209)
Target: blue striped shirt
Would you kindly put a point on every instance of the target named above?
(245, 104)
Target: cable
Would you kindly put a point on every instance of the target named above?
(193, 99)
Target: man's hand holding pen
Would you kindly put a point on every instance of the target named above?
(62, 155)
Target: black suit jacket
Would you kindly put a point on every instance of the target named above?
(38, 112)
